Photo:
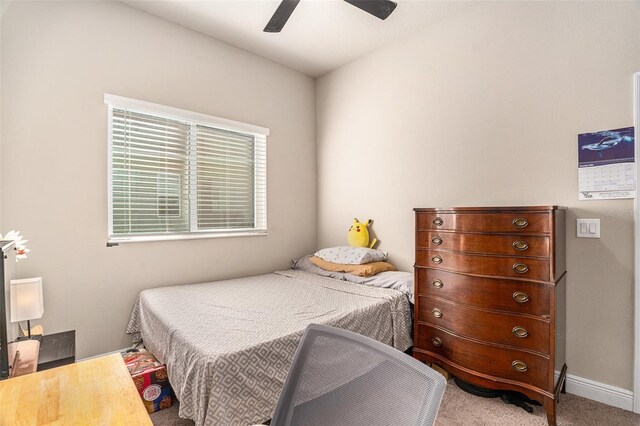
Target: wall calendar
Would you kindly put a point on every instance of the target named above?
(606, 165)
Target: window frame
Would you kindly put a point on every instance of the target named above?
(194, 119)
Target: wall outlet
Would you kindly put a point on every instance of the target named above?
(588, 228)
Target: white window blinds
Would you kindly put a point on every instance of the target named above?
(174, 173)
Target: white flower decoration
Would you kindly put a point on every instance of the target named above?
(20, 247)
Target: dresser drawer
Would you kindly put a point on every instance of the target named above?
(517, 267)
(516, 245)
(520, 222)
(492, 360)
(505, 329)
(522, 297)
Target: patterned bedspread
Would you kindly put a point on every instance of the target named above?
(228, 344)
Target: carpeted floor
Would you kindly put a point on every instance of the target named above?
(461, 408)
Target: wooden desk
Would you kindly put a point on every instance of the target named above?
(98, 391)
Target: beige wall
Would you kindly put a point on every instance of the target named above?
(58, 61)
(484, 109)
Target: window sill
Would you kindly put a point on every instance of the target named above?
(150, 238)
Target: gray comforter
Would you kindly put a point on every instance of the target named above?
(228, 344)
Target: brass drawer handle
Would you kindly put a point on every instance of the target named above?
(520, 268)
(437, 283)
(519, 366)
(520, 332)
(436, 341)
(438, 221)
(436, 259)
(436, 240)
(520, 222)
(437, 313)
(520, 245)
(520, 297)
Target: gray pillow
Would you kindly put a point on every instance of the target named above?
(396, 280)
(347, 255)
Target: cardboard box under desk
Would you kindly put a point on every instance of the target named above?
(150, 378)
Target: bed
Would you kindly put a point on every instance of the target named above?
(228, 344)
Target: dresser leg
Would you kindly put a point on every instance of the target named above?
(563, 378)
(550, 408)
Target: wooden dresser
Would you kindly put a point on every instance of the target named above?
(490, 304)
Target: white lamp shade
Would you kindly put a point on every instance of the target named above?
(26, 299)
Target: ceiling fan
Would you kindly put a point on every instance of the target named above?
(378, 8)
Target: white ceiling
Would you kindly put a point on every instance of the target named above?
(321, 35)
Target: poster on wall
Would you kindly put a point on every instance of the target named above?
(606, 165)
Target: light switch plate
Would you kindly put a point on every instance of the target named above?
(588, 228)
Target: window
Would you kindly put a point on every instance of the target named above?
(178, 174)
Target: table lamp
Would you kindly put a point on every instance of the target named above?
(26, 300)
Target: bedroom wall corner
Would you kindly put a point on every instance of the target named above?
(484, 109)
(3, 6)
(59, 58)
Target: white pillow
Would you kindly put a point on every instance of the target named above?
(347, 255)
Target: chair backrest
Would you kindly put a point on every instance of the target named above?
(341, 378)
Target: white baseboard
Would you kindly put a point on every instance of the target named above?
(601, 392)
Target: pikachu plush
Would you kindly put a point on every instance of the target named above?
(358, 234)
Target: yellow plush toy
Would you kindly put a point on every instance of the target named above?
(358, 234)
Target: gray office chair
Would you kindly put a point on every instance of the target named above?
(341, 378)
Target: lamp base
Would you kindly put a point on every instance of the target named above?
(29, 335)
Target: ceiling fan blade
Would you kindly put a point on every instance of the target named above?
(281, 16)
(378, 8)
